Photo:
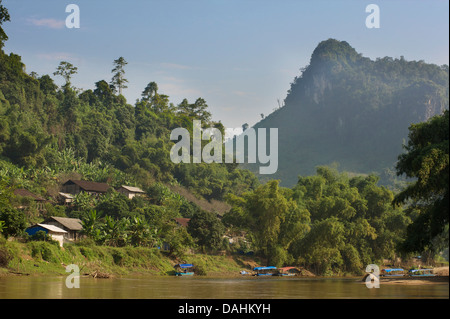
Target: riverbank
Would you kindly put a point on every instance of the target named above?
(48, 259)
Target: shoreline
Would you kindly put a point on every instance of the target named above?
(435, 280)
(104, 262)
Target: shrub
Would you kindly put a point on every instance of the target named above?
(5, 256)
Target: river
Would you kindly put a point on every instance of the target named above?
(30, 287)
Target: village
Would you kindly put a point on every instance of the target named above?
(70, 230)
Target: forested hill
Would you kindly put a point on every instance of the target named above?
(348, 109)
(49, 134)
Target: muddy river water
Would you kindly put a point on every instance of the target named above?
(30, 287)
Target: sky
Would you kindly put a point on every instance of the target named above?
(239, 55)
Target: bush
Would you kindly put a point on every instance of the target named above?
(118, 257)
(5, 256)
(48, 251)
(200, 268)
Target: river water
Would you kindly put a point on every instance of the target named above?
(30, 287)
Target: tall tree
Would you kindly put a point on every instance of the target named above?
(66, 70)
(4, 16)
(118, 81)
(150, 91)
(426, 160)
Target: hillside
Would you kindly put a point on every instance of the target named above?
(349, 110)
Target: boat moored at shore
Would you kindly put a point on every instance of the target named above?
(184, 269)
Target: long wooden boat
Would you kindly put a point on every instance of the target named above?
(265, 271)
(428, 272)
(184, 270)
(393, 272)
(287, 271)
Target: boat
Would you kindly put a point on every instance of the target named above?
(392, 272)
(265, 271)
(287, 271)
(428, 272)
(184, 270)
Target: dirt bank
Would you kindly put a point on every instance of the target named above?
(441, 271)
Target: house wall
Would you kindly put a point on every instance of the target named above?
(58, 237)
(71, 234)
(127, 193)
(71, 189)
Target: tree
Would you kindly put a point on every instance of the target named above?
(90, 224)
(207, 229)
(66, 70)
(47, 85)
(118, 81)
(14, 221)
(4, 16)
(140, 233)
(197, 110)
(426, 160)
(150, 91)
(275, 220)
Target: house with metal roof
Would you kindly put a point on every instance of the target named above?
(130, 191)
(65, 198)
(75, 187)
(40, 201)
(72, 226)
(54, 232)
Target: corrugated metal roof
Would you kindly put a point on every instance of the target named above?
(65, 195)
(52, 228)
(69, 223)
(89, 186)
(133, 189)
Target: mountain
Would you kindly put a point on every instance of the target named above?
(349, 110)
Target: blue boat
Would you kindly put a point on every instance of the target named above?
(288, 271)
(392, 272)
(421, 273)
(184, 270)
(265, 271)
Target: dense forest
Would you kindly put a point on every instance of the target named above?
(347, 110)
(329, 221)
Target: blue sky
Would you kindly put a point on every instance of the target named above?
(239, 55)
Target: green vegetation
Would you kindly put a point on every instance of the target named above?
(347, 109)
(328, 223)
(352, 110)
(427, 160)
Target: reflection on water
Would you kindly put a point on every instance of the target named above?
(215, 288)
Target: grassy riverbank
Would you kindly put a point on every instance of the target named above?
(46, 258)
(38, 258)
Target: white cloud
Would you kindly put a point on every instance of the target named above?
(57, 56)
(49, 23)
